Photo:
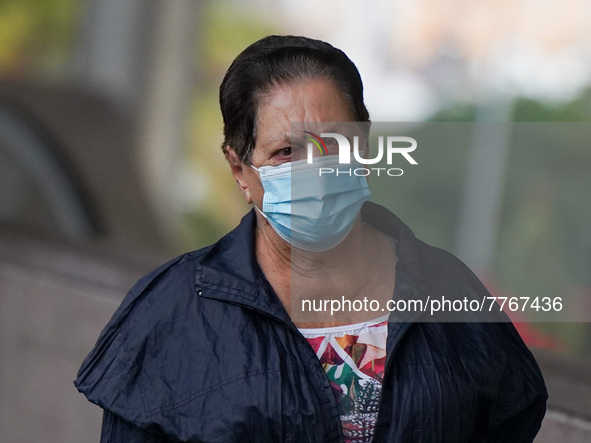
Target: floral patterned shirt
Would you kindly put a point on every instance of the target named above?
(353, 357)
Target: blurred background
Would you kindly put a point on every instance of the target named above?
(110, 164)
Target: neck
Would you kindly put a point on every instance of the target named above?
(274, 257)
(350, 269)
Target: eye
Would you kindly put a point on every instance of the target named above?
(331, 146)
(284, 152)
(282, 155)
(288, 154)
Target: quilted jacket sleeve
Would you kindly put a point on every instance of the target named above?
(522, 427)
(117, 430)
(520, 405)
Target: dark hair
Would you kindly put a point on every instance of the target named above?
(274, 61)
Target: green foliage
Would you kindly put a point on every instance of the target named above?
(35, 36)
(525, 109)
(227, 29)
(544, 241)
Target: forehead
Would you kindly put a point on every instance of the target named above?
(309, 101)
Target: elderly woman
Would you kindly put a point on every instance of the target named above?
(208, 347)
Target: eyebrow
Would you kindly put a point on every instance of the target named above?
(280, 137)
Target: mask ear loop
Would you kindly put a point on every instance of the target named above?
(255, 206)
(260, 212)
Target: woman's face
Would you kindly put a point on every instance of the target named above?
(312, 101)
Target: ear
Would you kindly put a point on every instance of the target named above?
(239, 168)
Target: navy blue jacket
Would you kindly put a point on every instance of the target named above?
(202, 350)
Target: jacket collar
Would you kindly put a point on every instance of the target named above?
(230, 272)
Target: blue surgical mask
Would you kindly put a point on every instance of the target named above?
(309, 207)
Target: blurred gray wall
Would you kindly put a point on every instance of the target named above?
(55, 298)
